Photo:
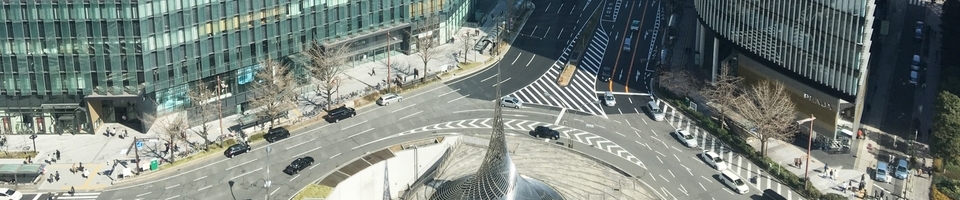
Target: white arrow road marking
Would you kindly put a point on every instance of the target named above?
(705, 178)
(684, 190)
(664, 178)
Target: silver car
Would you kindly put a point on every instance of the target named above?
(512, 102)
(388, 98)
(608, 99)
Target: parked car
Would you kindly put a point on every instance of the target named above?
(545, 132)
(388, 98)
(608, 99)
(298, 165)
(915, 65)
(10, 194)
(914, 77)
(236, 149)
(340, 113)
(714, 160)
(635, 25)
(919, 34)
(512, 102)
(769, 194)
(881, 174)
(276, 134)
(902, 169)
(686, 138)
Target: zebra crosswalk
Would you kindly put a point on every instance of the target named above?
(917, 2)
(745, 169)
(527, 125)
(580, 94)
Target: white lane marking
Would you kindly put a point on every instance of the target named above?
(335, 155)
(244, 174)
(411, 115)
(701, 186)
(684, 190)
(424, 92)
(628, 122)
(655, 133)
(371, 142)
(678, 158)
(305, 152)
(173, 197)
(458, 98)
(488, 78)
(458, 89)
(205, 187)
(661, 161)
(671, 173)
(705, 178)
(501, 82)
(664, 178)
(514, 60)
(531, 61)
(172, 186)
(198, 179)
(358, 133)
(274, 191)
(398, 110)
(295, 177)
(144, 194)
(560, 116)
(304, 142)
(621, 134)
(241, 164)
(351, 126)
(638, 134)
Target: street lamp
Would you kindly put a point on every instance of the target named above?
(806, 173)
(34, 138)
(389, 40)
(267, 182)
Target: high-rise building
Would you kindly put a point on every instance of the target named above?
(71, 66)
(819, 49)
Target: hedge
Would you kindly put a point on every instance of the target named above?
(740, 146)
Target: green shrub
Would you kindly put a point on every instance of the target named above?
(833, 196)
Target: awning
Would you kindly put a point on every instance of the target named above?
(66, 118)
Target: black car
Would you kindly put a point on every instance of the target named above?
(545, 132)
(236, 149)
(604, 74)
(297, 165)
(340, 113)
(276, 134)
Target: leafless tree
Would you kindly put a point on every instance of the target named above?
(465, 39)
(172, 130)
(426, 42)
(204, 101)
(768, 105)
(273, 90)
(326, 65)
(723, 92)
(680, 82)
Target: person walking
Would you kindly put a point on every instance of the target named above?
(56, 176)
(58, 154)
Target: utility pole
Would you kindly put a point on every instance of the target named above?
(806, 173)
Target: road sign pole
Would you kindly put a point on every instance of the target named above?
(136, 152)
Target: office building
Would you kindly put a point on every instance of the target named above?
(71, 66)
(819, 49)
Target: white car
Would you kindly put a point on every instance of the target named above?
(512, 102)
(608, 99)
(686, 138)
(714, 160)
(7, 193)
(388, 98)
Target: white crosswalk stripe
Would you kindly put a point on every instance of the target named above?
(738, 164)
(525, 125)
(75, 196)
(916, 2)
(580, 94)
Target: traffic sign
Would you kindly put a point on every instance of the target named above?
(139, 144)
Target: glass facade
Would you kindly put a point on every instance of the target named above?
(825, 41)
(92, 55)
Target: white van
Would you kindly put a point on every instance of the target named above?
(734, 182)
(626, 44)
(655, 112)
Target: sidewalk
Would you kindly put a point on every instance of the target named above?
(784, 153)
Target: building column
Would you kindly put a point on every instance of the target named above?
(714, 60)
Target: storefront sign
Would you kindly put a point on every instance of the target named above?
(817, 101)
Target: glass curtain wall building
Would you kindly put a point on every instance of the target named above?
(71, 66)
(819, 49)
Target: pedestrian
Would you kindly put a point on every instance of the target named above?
(57, 175)
(72, 191)
(81, 166)
(373, 72)
(831, 174)
(73, 169)
(58, 154)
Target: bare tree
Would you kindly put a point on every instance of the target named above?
(465, 39)
(172, 130)
(680, 82)
(326, 65)
(273, 90)
(426, 42)
(769, 107)
(204, 101)
(722, 93)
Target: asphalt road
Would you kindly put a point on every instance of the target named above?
(629, 69)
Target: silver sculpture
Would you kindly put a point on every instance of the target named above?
(497, 177)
